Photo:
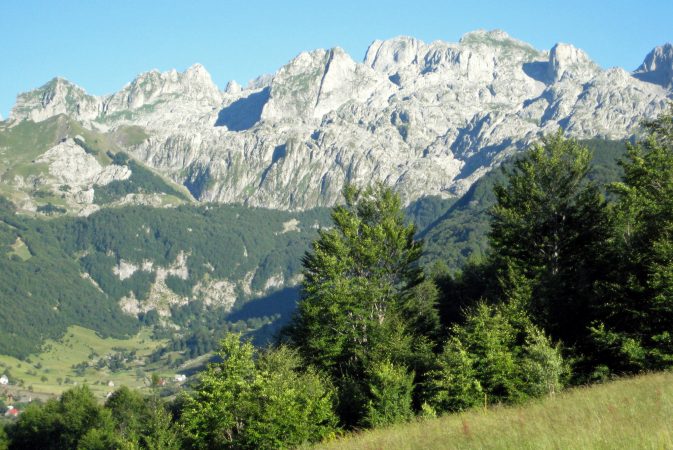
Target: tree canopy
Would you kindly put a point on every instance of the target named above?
(549, 229)
(636, 321)
(357, 299)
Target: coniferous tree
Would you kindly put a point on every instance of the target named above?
(391, 387)
(497, 355)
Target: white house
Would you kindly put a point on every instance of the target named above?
(4, 380)
(180, 378)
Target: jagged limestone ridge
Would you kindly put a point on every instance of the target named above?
(428, 118)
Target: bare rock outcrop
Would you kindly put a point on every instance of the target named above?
(426, 118)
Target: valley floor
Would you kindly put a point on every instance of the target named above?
(632, 413)
(54, 370)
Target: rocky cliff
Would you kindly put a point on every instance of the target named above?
(428, 118)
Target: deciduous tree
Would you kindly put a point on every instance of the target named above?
(635, 328)
(362, 306)
(549, 230)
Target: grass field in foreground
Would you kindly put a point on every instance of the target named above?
(634, 413)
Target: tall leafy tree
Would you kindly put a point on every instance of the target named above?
(361, 303)
(141, 420)
(635, 329)
(548, 230)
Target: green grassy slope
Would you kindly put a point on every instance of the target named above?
(142, 180)
(20, 146)
(78, 358)
(626, 414)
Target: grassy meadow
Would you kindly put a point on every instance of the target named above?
(54, 369)
(633, 413)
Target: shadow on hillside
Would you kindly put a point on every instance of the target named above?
(244, 113)
(657, 77)
(537, 70)
(481, 158)
(281, 302)
(279, 153)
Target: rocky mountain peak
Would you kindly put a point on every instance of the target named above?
(568, 61)
(657, 67)
(233, 87)
(147, 88)
(489, 37)
(317, 82)
(429, 119)
(198, 71)
(261, 81)
(497, 41)
(390, 55)
(58, 96)
(479, 57)
(199, 78)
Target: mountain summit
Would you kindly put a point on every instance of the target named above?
(658, 67)
(428, 118)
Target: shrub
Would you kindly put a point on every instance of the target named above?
(496, 356)
(391, 389)
(454, 385)
(264, 403)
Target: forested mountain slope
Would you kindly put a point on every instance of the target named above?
(107, 271)
(460, 233)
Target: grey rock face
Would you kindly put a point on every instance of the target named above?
(426, 118)
(194, 84)
(568, 61)
(58, 96)
(657, 67)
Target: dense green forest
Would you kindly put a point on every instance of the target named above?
(43, 282)
(56, 252)
(215, 239)
(43, 290)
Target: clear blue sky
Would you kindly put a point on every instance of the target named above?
(101, 45)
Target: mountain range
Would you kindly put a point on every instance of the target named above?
(179, 206)
(428, 118)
